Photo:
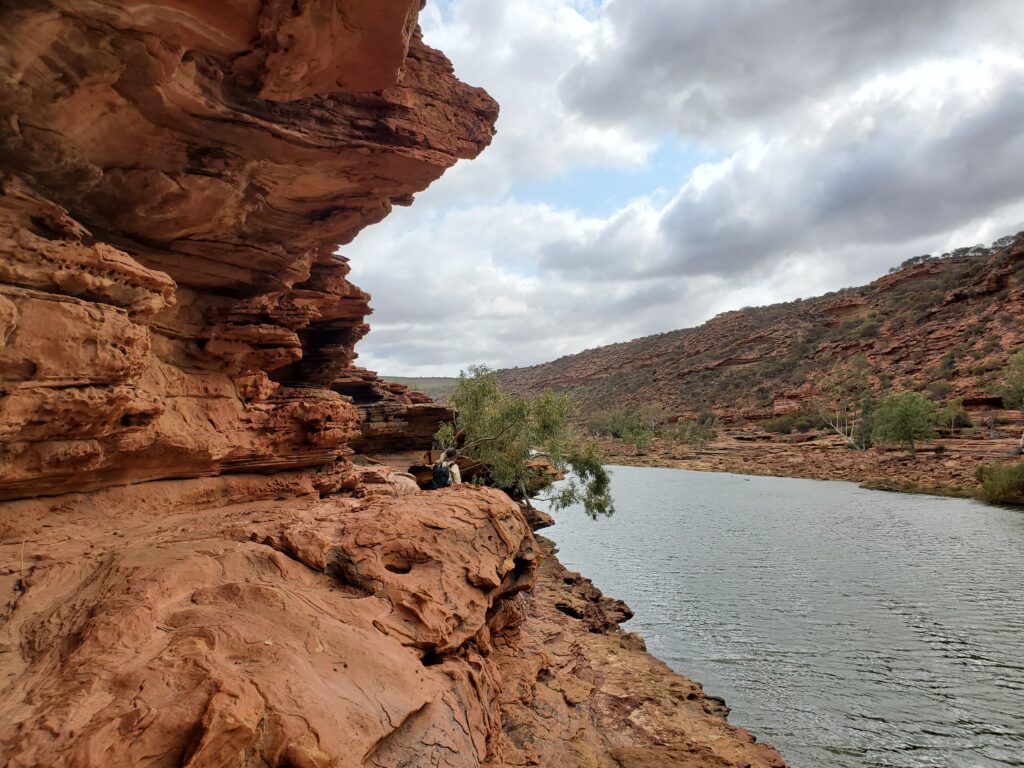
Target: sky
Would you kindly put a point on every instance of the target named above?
(658, 162)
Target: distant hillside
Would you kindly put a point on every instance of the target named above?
(945, 325)
(436, 387)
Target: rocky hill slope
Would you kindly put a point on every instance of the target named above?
(194, 571)
(945, 324)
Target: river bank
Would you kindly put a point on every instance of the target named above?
(941, 467)
(583, 692)
(251, 620)
(849, 628)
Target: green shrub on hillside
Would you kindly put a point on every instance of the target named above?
(952, 416)
(1012, 385)
(696, 433)
(789, 423)
(1001, 484)
(636, 425)
(937, 390)
(903, 418)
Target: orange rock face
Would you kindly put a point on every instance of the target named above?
(193, 572)
(174, 181)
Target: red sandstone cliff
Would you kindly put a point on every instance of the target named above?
(945, 326)
(194, 573)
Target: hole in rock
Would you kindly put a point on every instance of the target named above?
(431, 659)
(398, 567)
(568, 610)
(21, 370)
(136, 419)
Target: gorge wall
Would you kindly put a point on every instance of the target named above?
(194, 572)
(942, 326)
(944, 323)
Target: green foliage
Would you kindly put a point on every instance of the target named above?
(789, 423)
(636, 425)
(869, 330)
(845, 402)
(947, 366)
(952, 416)
(903, 418)
(504, 432)
(937, 390)
(1011, 387)
(694, 432)
(1002, 484)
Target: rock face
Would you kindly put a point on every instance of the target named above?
(948, 322)
(174, 182)
(391, 416)
(322, 632)
(193, 571)
(945, 326)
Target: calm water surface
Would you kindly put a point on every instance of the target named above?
(851, 628)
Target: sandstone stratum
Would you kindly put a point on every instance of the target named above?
(195, 573)
(945, 326)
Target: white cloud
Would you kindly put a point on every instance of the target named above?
(851, 136)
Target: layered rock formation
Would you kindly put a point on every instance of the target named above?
(175, 182)
(944, 326)
(392, 417)
(194, 573)
(950, 322)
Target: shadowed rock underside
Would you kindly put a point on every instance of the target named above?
(194, 573)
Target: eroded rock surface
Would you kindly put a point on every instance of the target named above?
(174, 178)
(193, 572)
(193, 632)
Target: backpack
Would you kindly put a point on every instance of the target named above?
(442, 476)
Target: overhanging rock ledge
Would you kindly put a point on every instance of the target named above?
(193, 571)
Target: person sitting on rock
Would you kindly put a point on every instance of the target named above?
(446, 471)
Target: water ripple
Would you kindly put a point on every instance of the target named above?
(853, 628)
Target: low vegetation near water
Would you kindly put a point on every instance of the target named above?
(520, 439)
(1002, 484)
(639, 426)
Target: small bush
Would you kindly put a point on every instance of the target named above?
(694, 433)
(793, 422)
(938, 390)
(870, 330)
(636, 425)
(1002, 484)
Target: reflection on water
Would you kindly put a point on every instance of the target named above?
(851, 628)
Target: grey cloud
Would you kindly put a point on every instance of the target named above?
(704, 67)
(822, 189)
(825, 188)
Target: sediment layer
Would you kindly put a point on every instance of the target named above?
(194, 572)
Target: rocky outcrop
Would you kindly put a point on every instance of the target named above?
(945, 322)
(392, 417)
(174, 182)
(190, 631)
(194, 573)
(944, 326)
(207, 622)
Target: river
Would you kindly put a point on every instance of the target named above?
(851, 628)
